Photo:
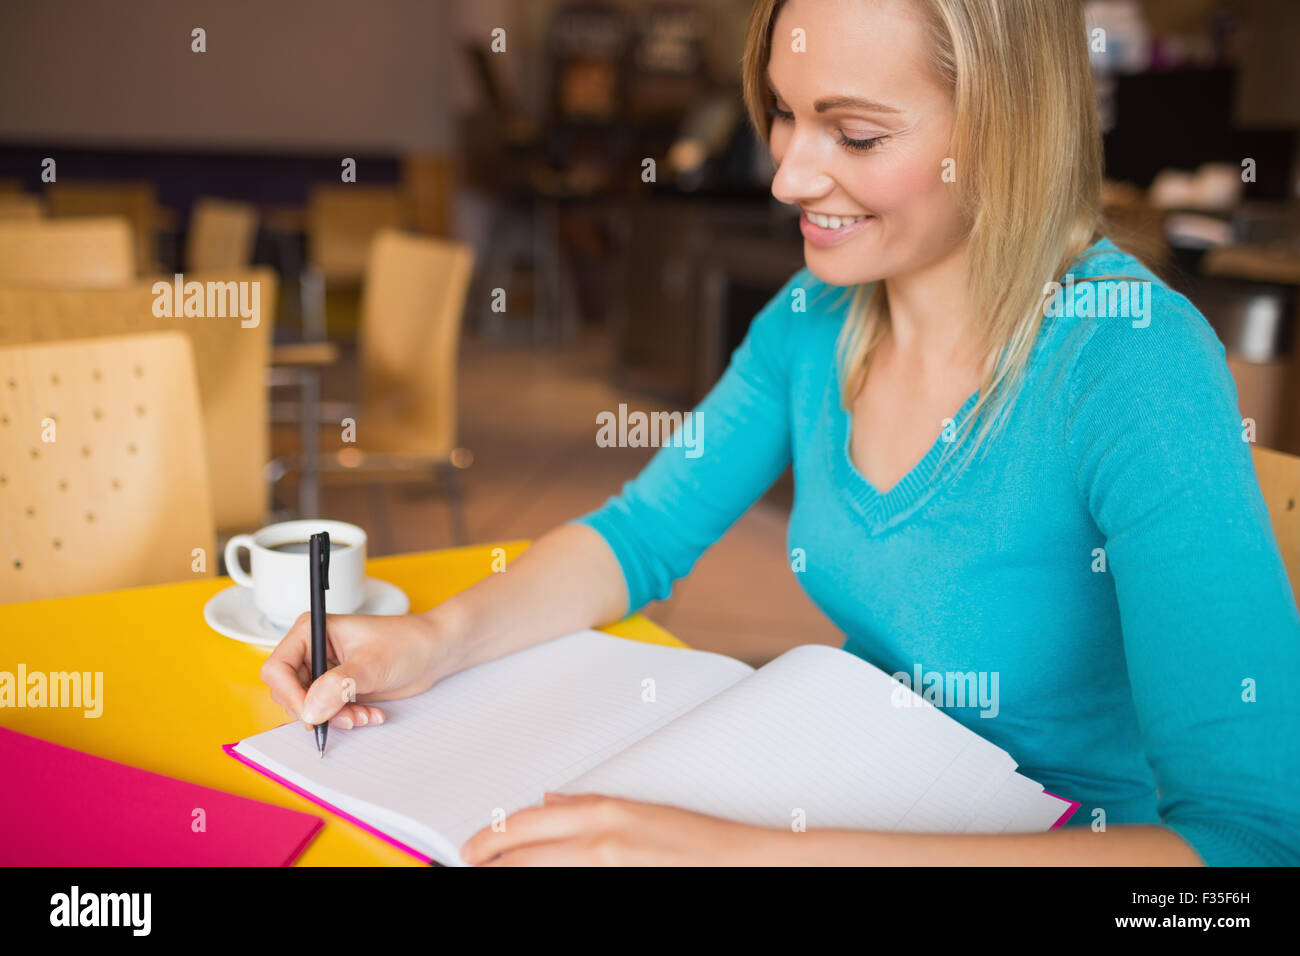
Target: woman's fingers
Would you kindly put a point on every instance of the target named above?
(280, 671)
(533, 825)
(357, 715)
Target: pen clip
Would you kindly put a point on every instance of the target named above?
(324, 538)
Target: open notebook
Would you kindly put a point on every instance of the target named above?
(816, 735)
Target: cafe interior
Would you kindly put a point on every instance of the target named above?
(386, 263)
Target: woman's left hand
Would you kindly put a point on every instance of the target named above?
(591, 830)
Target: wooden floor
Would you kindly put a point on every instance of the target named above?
(528, 415)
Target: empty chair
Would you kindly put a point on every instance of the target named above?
(221, 235)
(67, 252)
(136, 202)
(103, 482)
(342, 221)
(231, 360)
(413, 304)
(20, 206)
(1279, 481)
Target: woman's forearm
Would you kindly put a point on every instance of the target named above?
(567, 580)
(1130, 845)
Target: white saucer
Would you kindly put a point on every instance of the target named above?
(232, 612)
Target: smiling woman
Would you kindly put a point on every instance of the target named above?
(1105, 563)
(924, 137)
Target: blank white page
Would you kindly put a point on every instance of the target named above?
(818, 732)
(498, 735)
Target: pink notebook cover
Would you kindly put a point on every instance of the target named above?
(1071, 805)
(62, 807)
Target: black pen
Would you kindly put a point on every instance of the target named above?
(319, 554)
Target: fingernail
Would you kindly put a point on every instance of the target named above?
(309, 716)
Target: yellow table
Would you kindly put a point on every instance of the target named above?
(174, 690)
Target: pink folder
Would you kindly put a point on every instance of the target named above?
(61, 807)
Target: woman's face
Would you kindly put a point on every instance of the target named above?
(882, 157)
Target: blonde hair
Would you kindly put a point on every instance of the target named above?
(1026, 144)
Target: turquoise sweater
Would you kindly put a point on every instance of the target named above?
(1155, 681)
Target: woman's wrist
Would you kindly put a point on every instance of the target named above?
(448, 631)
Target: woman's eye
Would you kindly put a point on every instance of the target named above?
(859, 145)
(856, 145)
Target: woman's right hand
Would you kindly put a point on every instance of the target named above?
(370, 658)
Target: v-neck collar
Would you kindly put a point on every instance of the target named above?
(881, 510)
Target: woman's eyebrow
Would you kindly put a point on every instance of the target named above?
(840, 102)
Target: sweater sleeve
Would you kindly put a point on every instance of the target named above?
(1211, 633)
(666, 517)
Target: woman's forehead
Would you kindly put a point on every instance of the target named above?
(871, 49)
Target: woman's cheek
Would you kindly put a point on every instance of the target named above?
(907, 191)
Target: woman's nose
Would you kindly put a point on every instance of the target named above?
(800, 174)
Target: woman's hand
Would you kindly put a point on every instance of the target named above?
(369, 657)
(592, 830)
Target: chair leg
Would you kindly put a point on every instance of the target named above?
(379, 517)
(455, 503)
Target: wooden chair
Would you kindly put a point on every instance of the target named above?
(20, 206)
(103, 483)
(68, 252)
(342, 221)
(136, 202)
(1279, 481)
(413, 304)
(221, 235)
(231, 363)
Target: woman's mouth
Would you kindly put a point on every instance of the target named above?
(830, 230)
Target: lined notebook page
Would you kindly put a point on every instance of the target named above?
(817, 731)
(1020, 806)
(497, 735)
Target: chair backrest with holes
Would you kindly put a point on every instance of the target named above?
(1279, 480)
(413, 303)
(221, 235)
(66, 252)
(136, 202)
(103, 482)
(231, 367)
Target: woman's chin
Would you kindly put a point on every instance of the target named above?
(839, 273)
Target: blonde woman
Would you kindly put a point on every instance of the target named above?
(991, 474)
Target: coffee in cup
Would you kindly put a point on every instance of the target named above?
(280, 577)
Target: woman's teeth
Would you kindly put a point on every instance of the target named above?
(833, 222)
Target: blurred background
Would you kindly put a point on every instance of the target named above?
(439, 331)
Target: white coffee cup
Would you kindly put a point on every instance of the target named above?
(281, 580)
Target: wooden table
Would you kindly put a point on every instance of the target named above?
(174, 690)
